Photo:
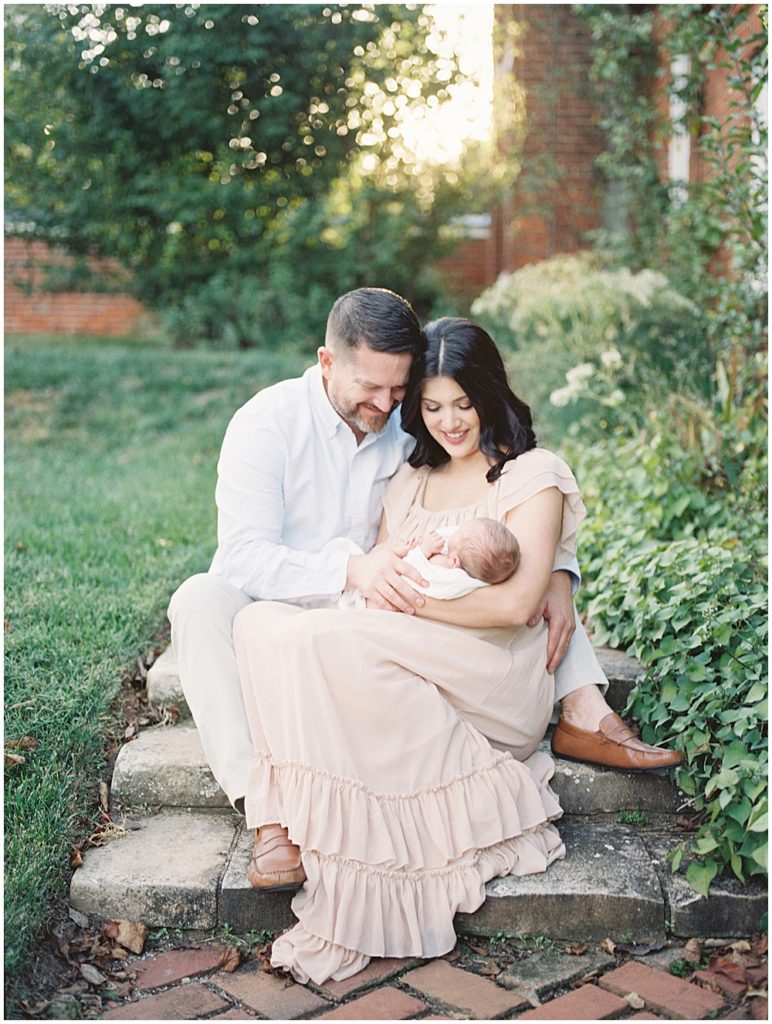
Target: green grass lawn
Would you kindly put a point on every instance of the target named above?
(111, 452)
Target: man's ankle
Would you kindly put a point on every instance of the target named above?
(584, 708)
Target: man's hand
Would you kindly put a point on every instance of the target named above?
(379, 577)
(557, 607)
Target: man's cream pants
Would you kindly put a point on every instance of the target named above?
(201, 613)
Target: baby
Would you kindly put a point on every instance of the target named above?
(455, 560)
(458, 559)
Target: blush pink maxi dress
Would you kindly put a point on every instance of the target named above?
(401, 753)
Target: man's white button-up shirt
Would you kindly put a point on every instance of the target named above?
(291, 478)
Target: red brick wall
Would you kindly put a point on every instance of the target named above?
(716, 93)
(716, 97)
(558, 196)
(31, 310)
(472, 266)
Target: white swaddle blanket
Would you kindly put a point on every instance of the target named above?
(445, 583)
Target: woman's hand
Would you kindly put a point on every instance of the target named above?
(557, 607)
(380, 577)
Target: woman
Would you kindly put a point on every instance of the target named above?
(399, 751)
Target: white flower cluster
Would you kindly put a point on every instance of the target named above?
(578, 376)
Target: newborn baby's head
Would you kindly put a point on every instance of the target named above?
(485, 549)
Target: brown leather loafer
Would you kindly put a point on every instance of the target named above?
(614, 745)
(275, 863)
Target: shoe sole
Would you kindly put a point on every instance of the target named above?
(284, 887)
(616, 767)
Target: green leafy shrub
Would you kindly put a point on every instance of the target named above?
(679, 579)
(667, 436)
(634, 329)
(277, 294)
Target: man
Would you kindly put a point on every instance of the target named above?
(304, 462)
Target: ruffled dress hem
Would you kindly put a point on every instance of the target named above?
(419, 857)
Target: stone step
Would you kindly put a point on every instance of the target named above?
(164, 690)
(188, 871)
(165, 767)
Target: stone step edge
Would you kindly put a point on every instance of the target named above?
(163, 685)
(664, 903)
(185, 780)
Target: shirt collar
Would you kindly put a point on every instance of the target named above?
(322, 407)
(329, 418)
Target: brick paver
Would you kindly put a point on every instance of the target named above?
(268, 994)
(452, 986)
(759, 1008)
(720, 983)
(176, 964)
(586, 1003)
(187, 1002)
(382, 1004)
(742, 1012)
(378, 970)
(680, 999)
(644, 1015)
(234, 1014)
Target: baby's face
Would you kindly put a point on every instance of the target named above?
(459, 539)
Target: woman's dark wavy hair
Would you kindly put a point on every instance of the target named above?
(462, 350)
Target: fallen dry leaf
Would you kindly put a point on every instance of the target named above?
(230, 959)
(76, 858)
(733, 965)
(479, 950)
(129, 732)
(104, 796)
(741, 946)
(585, 979)
(635, 1000)
(25, 743)
(490, 969)
(607, 946)
(129, 934)
(454, 954)
(169, 714)
(14, 760)
(639, 949)
(760, 945)
(7, 626)
(92, 975)
(688, 824)
(119, 953)
(577, 949)
(692, 951)
(81, 920)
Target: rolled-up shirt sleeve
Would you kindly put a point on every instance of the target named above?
(250, 519)
(571, 566)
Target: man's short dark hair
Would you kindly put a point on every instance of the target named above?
(375, 317)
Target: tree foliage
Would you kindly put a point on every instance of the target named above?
(216, 150)
(718, 223)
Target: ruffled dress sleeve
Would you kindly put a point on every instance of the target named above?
(535, 471)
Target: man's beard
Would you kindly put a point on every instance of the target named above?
(354, 419)
(368, 428)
